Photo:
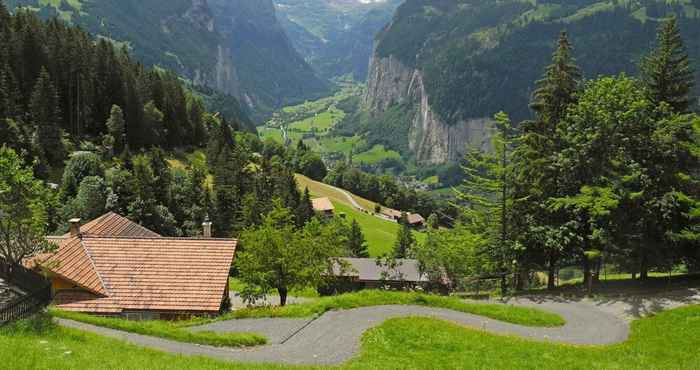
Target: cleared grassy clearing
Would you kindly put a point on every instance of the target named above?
(320, 122)
(376, 155)
(380, 234)
(339, 144)
(324, 190)
(166, 329)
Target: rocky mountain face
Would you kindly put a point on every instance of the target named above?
(236, 47)
(430, 138)
(271, 72)
(458, 62)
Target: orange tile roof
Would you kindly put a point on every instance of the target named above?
(135, 273)
(72, 261)
(161, 274)
(112, 224)
(322, 205)
(414, 219)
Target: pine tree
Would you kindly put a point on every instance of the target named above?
(667, 71)
(219, 137)
(537, 179)
(357, 244)
(489, 195)
(557, 90)
(305, 210)
(116, 127)
(229, 190)
(46, 116)
(404, 238)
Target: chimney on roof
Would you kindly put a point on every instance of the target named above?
(74, 226)
(206, 226)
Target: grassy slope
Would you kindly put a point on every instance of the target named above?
(380, 234)
(517, 315)
(666, 341)
(376, 155)
(167, 330)
(323, 190)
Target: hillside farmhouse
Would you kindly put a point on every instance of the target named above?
(112, 266)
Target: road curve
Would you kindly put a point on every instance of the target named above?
(335, 336)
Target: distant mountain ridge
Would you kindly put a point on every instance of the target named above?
(217, 43)
(449, 65)
(335, 36)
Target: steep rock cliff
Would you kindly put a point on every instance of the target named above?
(430, 137)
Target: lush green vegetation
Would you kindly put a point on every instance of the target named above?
(481, 57)
(377, 154)
(236, 285)
(289, 251)
(379, 233)
(665, 341)
(319, 123)
(515, 315)
(166, 329)
(271, 76)
(606, 171)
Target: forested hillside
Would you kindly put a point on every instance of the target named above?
(58, 88)
(460, 61)
(208, 42)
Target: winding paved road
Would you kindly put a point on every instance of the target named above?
(335, 336)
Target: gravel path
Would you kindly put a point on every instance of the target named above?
(335, 336)
(276, 331)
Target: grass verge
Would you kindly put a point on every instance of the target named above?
(665, 341)
(516, 315)
(166, 330)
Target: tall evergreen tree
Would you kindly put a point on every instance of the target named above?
(116, 127)
(405, 241)
(537, 179)
(489, 194)
(667, 71)
(229, 189)
(357, 244)
(557, 90)
(305, 210)
(46, 116)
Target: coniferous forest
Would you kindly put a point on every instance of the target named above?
(85, 115)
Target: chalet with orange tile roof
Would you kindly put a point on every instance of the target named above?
(323, 206)
(113, 266)
(414, 219)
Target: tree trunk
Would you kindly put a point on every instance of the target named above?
(283, 296)
(597, 268)
(587, 278)
(522, 279)
(551, 283)
(644, 268)
(504, 285)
